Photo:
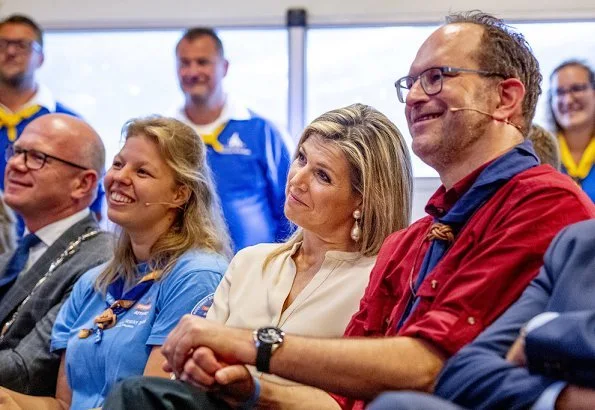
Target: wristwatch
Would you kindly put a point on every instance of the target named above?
(267, 340)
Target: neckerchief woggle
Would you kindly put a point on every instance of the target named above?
(494, 176)
(117, 302)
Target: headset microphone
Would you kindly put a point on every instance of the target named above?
(455, 109)
(162, 203)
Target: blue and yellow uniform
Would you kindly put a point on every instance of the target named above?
(12, 125)
(583, 172)
(250, 160)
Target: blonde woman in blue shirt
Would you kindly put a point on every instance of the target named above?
(170, 257)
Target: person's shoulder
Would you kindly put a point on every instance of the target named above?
(546, 179)
(365, 262)
(409, 233)
(580, 231)
(263, 121)
(87, 279)
(200, 260)
(545, 176)
(258, 251)
(63, 109)
(92, 238)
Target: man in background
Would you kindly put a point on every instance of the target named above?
(22, 99)
(51, 180)
(247, 154)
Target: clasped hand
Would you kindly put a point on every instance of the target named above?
(211, 356)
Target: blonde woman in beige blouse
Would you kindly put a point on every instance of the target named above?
(349, 187)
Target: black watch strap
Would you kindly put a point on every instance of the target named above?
(263, 357)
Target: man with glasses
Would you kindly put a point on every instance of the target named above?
(470, 96)
(22, 99)
(51, 180)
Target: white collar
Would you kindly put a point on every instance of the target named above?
(232, 110)
(50, 233)
(42, 97)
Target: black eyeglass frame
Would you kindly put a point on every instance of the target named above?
(575, 88)
(12, 151)
(400, 84)
(22, 45)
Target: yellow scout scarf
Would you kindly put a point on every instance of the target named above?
(12, 120)
(212, 138)
(580, 171)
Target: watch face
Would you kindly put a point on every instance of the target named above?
(270, 335)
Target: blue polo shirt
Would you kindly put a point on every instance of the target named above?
(92, 367)
(250, 172)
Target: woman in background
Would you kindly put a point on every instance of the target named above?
(572, 110)
(168, 260)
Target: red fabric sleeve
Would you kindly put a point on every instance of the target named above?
(503, 262)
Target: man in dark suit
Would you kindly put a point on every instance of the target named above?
(493, 372)
(51, 179)
(540, 353)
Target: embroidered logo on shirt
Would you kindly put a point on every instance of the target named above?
(235, 146)
(202, 307)
(143, 306)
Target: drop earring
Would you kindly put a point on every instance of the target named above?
(356, 231)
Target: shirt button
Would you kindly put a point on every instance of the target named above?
(434, 283)
(471, 320)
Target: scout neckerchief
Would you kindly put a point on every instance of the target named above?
(118, 303)
(212, 139)
(443, 231)
(580, 171)
(12, 120)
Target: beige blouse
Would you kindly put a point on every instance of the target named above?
(249, 298)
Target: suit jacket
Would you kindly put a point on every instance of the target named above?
(479, 377)
(564, 348)
(26, 364)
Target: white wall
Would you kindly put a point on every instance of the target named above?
(181, 13)
(93, 14)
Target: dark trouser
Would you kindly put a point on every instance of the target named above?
(155, 393)
(411, 401)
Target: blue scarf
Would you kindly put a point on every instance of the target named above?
(492, 178)
(119, 302)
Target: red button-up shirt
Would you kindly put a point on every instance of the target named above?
(493, 258)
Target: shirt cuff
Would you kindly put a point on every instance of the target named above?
(540, 320)
(547, 400)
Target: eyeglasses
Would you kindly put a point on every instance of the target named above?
(34, 159)
(431, 80)
(572, 89)
(21, 46)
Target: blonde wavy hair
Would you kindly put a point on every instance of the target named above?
(380, 169)
(199, 225)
